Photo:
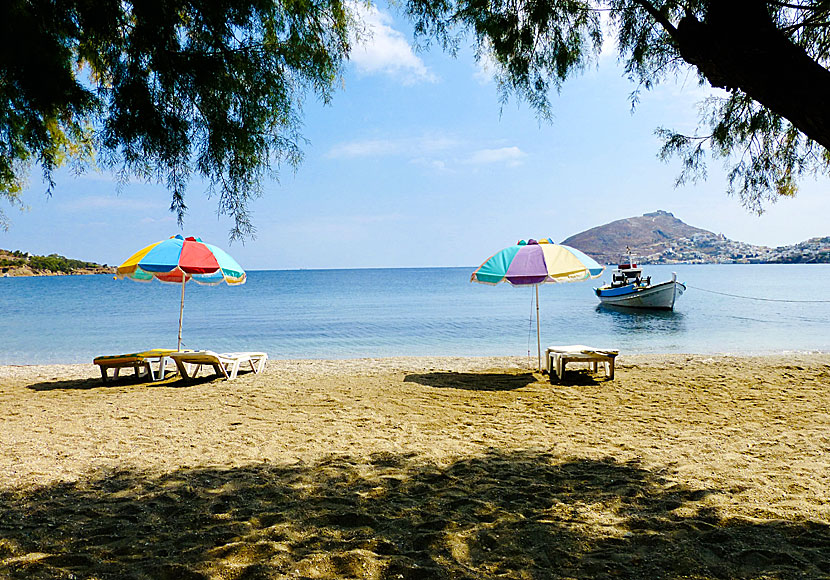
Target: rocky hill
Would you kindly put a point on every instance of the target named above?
(19, 263)
(661, 238)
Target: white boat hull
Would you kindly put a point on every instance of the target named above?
(660, 296)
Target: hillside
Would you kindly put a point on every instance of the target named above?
(19, 263)
(661, 238)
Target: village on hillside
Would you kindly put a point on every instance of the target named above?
(660, 238)
(717, 249)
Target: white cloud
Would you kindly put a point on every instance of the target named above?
(365, 148)
(486, 67)
(608, 51)
(384, 50)
(511, 156)
(435, 152)
(435, 164)
(392, 147)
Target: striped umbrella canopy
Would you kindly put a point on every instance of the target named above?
(532, 262)
(178, 260)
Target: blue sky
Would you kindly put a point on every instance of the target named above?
(413, 164)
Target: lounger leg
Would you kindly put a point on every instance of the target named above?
(234, 368)
(162, 368)
(182, 368)
(104, 373)
(220, 370)
(560, 370)
(610, 369)
(150, 371)
(257, 364)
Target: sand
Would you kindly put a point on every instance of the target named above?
(681, 467)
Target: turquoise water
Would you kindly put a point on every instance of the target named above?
(412, 312)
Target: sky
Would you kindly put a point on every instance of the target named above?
(415, 163)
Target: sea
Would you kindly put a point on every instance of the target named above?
(370, 313)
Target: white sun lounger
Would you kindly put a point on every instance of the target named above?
(559, 356)
(225, 364)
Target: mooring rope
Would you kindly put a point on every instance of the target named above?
(756, 298)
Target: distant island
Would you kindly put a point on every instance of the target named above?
(661, 238)
(17, 263)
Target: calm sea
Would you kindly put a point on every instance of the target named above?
(409, 312)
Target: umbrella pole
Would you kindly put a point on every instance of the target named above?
(538, 333)
(181, 313)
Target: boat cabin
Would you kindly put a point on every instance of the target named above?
(626, 274)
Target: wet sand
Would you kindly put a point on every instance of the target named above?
(681, 467)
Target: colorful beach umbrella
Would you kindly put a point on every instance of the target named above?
(531, 263)
(178, 260)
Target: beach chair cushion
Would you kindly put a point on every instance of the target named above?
(139, 361)
(225, 364)
(581, 348)
(118, 359)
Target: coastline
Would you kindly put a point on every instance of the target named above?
(29, 273)
(439, 466)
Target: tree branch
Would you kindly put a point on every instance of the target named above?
(658, 16)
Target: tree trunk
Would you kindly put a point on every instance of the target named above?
(737, 46)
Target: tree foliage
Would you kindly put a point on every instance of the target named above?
(164, 89)
(50, 263)
(172, 89)
(771, 127)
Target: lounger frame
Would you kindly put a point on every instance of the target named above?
(225, 365)
(559, 356)
(140, 362)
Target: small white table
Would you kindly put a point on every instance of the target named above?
(559, 356)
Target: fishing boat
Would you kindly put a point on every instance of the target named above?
(628, 288)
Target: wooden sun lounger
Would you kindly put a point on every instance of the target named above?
(224, 365)
(138, 361)
(559, 356)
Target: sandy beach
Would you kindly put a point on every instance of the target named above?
(683, 466)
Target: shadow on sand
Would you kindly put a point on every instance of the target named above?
(502, 381)
(505, 514)
(580, 377)
(172, 381)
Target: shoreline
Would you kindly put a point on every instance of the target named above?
(683, 465)
(75, 368)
